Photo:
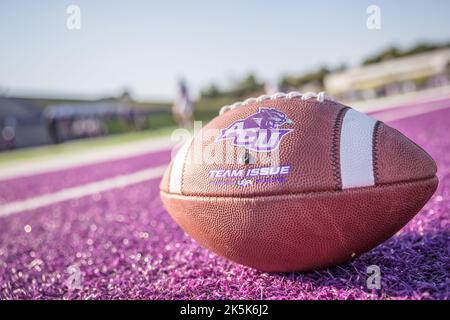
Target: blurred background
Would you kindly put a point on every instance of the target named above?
(71, 70)
(92, 93)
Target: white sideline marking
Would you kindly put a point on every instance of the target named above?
(87, 157)
(404, 113)
(404, 100)
(81, 191)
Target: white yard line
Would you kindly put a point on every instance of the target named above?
(81, 191)
(93, 156)
(405, 100)
(404, 113)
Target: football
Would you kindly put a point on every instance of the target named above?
(295, 182)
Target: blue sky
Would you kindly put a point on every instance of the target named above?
(146, 45)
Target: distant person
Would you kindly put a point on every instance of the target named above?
(8, 133)
(52, 126)
(182, 108)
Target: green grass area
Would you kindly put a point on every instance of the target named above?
(206, 109)
(27, 154)
(161, 120)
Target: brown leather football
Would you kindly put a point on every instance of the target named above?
(294, 182)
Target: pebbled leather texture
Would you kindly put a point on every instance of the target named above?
(299, 232)
(310, 221)
(400, 159)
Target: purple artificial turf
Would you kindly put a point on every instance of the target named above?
(127, 247)
(31, 186)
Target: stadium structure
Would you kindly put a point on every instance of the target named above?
(393, 77)
(27, 122)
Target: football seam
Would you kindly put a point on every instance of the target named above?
(293, 194)
(375, 151)
(335, 146)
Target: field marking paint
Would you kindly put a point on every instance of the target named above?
(81, 191)
(87, 157)
(404, 113)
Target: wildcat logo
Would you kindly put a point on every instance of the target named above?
(259, 132)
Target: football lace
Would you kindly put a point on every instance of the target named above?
(320, 97)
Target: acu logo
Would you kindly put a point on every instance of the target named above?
(259, 132)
